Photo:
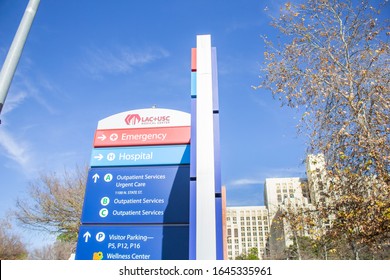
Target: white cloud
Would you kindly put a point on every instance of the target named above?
(119, 60)
(246, 181)
(16, 150)
(10, 145)
(259, 179)
(285, 172)
(13, 101)
(35, 88)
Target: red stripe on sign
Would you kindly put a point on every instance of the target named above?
(142, 136)
(193, 59)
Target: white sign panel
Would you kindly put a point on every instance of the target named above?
(205, 171)
(144, 118)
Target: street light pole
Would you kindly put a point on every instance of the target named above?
(15, 51)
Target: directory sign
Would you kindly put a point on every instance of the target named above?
(158, 194)
(135, 242)
(144, 155)
(136, 204)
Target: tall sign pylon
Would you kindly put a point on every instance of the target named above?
(205, 154)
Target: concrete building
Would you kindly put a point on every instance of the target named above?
(280, 193)
(277, 191)
(295, 194)
(247, 227)
(262, 226)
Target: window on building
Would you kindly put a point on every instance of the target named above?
(235, 232)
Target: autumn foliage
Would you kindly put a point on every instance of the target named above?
(332, 64)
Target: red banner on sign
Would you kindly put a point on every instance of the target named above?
(142, 136)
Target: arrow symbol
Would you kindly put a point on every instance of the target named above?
(95, 177)
(102, 137)
(99, 157)
(86, 236)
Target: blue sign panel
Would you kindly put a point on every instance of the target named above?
(152, 194)
(141, 155)
(115, 242)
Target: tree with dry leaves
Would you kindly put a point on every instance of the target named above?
(11, 245)
(295, 224)
(54, 204)
(332, 64)
(60, 250)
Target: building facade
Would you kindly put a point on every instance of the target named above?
(280, 193)
(247, 227)
(263, 227)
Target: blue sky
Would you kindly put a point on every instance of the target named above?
(86, 60)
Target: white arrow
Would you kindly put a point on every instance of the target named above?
(102, 137)
(95, 177)
(99, 157)
(87, 235)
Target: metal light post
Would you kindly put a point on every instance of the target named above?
(15, 51)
